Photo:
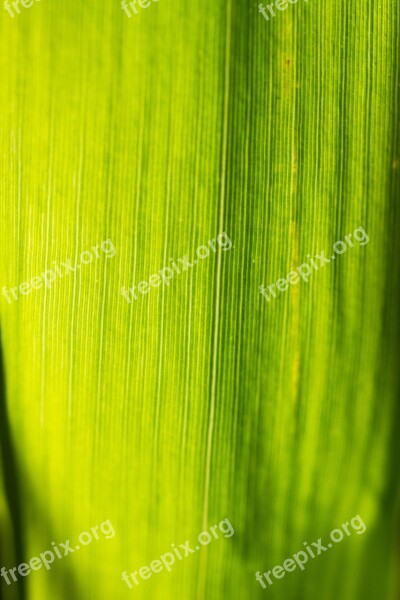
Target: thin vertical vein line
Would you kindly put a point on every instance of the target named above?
(18, 224)
(219, 264)
(44, 322)
(240, 310)
(160, 360)
(19, 195)
(100, 368)
(198, 111)
(72, 329)
(188, 371)
(135, 258)
(102, 321)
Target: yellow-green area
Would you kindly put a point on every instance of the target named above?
(200, 401)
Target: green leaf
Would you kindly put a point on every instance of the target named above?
(200, 400)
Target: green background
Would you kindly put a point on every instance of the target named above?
(201, 401)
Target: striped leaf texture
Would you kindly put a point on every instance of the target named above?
(196, 399)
